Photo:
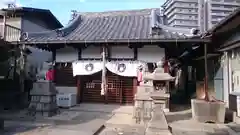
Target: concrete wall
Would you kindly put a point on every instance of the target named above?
(121, 52)
(67, 90)
(33, 25)
(67, 54)
(16, 21)
(91, 52)
(151, 54)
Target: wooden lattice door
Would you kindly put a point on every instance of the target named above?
(92, 89)
(114, 89)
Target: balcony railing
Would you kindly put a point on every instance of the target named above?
(11, 33)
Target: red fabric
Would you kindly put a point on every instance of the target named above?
(166, 67)
(50, 75)
(140, 76)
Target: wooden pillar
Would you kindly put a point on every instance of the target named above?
(103, 85)
(79, 79)
(206, 73)
(79, 53)
(135, 51)
(54, 60)
(79, 89)
(135, 82)
(15, 64)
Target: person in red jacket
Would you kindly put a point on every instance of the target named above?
(50, 74)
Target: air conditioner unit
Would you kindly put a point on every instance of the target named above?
(66, 100)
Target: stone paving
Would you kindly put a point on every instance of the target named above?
(82, 120)
(85, 119)
(189, 127)
(23, 128)
(123, 131)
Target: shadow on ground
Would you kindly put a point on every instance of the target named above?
(18, 128)
(83, 118)
(181, 123)
(179, 112)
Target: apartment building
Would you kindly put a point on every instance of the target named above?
(218, 9)
(201, 14)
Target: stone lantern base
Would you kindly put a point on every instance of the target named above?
(203, 111)
(43, 99)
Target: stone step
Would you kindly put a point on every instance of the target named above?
(160, 132)
(123, 131)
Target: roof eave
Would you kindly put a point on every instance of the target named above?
(147, 41)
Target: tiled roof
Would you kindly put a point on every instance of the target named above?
(113, 25)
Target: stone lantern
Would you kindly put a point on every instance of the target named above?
(153, 95)
(43, 96)
(161, 91)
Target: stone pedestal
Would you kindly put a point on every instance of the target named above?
(142, 108)
(161, 99)
(43, 99)
(158, 124)
(203, 111)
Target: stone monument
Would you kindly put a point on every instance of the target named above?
(43, 95)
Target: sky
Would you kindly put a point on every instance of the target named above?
(62, 8)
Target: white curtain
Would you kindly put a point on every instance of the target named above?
(86, 67)
(123, 68)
